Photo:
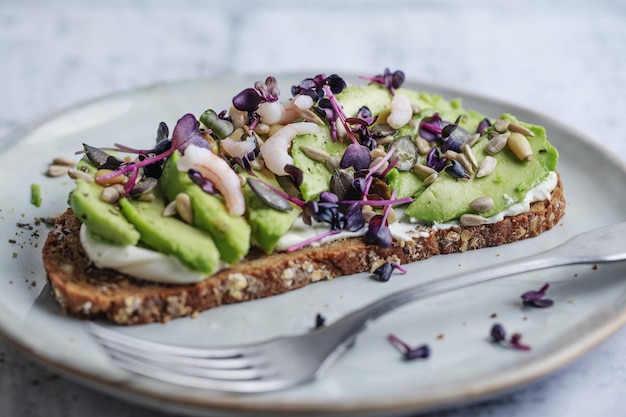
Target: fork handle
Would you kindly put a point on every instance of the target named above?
(600, 245)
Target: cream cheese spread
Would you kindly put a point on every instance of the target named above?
(136, 261)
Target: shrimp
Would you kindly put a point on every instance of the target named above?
(238, 148)
(216, 170)
(285, 112)
(275, 150)
(401, 111)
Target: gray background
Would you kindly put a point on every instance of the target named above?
(566, 59)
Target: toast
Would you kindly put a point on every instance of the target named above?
(273, 196)
(84, 291)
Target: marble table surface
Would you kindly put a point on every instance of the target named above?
(566, 59)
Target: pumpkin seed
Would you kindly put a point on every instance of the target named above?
(269, 196)
(406, 151)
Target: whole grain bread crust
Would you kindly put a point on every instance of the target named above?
(85, 291)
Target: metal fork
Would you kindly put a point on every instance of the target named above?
(288, 361)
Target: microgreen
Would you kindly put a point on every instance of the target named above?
(536, 298)
(435, 161)
(498, 335)
(250, 99)
(320, 320)
(383, 272)
(391, 80)
(409, 353)
(206, 185)
(456, 170)
(483, 125)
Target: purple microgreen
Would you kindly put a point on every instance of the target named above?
(144, 186)
(452, 144)
(378, 233)
(320, 321)
(391, 166)
(132, 180)
(364, 113)
(339, 112)
(408, 352)
(483, 125)
(356, 156)
(430, 127)
(391, 80)
(383, 272)
(328, 197)
(294, 174)
(516, 342)
(435, 161)
(309, 210)
(268, 196)
(206, 185)
(250, 99)
(536, 298)
(456, 170)
(354, 218)
(314, 239)
(498, 335)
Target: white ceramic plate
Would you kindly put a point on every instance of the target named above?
(590, 304)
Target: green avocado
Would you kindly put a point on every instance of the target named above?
(192, 247)
(101, 218)
(448, 198)
(230, 233)
(268, 224)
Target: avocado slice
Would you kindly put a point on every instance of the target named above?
(230, 233)
(448, 198)
(192, 247)
(268, 224)
(101, 218)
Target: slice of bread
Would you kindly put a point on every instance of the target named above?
(87, 292)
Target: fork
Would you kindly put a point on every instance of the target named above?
(285, 362)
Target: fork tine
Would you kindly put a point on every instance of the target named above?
(227, 363)
(134, 343)
(191, 368)
(251, 385)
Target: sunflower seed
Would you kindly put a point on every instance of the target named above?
(482, 204)
(423, 146)
(63, 161)
(316, 154)
(487, 166)
(57, 170)
(170, 210)
(423, 171)
(496, 144)
(430, 179)
(109, 195)
(76, 174)
(514, 127)
(501, 125)
(183, 207)
(467, 150)
(471, 141)
(472, 220)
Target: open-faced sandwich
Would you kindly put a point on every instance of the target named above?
(280, 192)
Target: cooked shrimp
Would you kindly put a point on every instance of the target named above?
(239, 148)
(401, 111)
(285, 112)
(216, 170)
(275, 150)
